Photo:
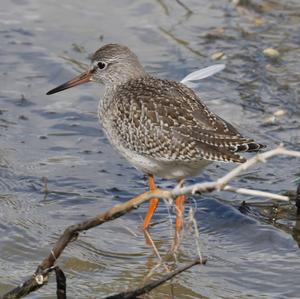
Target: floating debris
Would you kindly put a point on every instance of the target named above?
(218, 56)
(271, 52)
(215, 33)
(273, 119)
(79, 49)
(280, 112)
(258, 21)
(23, 117)
(269, 120)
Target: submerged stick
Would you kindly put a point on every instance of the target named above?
(40, 276)
(154, 284)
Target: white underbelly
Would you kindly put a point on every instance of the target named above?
(164, 168)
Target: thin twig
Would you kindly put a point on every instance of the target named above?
(147, 288)
(196, 231)
(223, 181)
(156, 252)
(258, 193)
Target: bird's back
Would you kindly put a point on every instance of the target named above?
(166, 120)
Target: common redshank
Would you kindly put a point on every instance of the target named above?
(160, 126)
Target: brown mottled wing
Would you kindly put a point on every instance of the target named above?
(166, 120)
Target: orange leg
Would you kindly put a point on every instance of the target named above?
(153, 202)
(179, 212)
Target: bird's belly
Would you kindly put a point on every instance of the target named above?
(166, 168)
(169, 169)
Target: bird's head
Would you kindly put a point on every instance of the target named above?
(112, 64)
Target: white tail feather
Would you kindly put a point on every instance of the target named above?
(201, 74)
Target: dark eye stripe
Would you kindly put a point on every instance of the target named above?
(101, 65)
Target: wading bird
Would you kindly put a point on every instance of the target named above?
(160, 126)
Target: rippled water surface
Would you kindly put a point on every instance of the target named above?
(254, 254)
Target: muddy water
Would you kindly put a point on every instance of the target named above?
(251, 254)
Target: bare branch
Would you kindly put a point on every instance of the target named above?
(40, 276)
(221, 183)
(256, 193)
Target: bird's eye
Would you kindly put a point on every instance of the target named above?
(101, 65)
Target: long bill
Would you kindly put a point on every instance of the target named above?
(82, 78)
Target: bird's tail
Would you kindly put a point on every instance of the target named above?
(250, 146)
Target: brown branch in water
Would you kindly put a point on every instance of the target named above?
(298, 200)
(41, 275)
(188, 10)
(164, 7)
(180, 41)
(154, 284)
(77, 65)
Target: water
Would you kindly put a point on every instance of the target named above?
(58, 137)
